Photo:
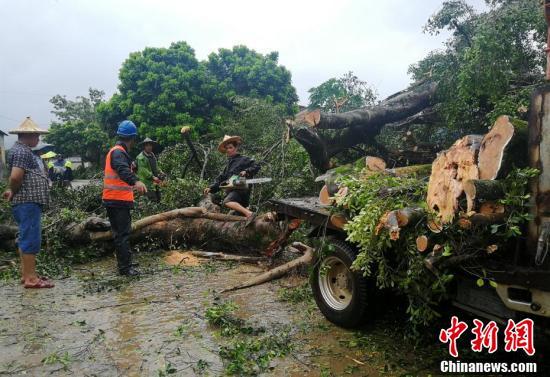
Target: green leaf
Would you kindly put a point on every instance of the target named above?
(493, 283)
(480, 282)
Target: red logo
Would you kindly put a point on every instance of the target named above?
(485, 337)
(452, 334)
(517, 336)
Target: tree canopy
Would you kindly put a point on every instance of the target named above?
(162, 89)
(490, 64)
(343, 94)
(78, 131)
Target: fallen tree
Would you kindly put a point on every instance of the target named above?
(359, 126)
(189, 226)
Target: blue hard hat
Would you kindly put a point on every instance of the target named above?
(126, 128)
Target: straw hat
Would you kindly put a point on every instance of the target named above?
(229, 139)
(28, 127)
(148, 140)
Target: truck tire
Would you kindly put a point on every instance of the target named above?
(341, 294)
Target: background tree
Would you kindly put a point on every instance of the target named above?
(343, 94)
(162, 89)
(491, 63)
(244, 72)
(489, 67)
(78, 132)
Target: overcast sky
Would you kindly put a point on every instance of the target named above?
(50, 47)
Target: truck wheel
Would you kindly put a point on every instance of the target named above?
(341, 294)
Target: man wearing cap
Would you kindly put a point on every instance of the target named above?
(119, 183)
(147, 169)
(28, 193)
(237, 164)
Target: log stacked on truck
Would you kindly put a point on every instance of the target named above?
(471, 158)
(462, 185)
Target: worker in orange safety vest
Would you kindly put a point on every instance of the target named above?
(119, 183)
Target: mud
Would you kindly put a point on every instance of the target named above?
(98, 324)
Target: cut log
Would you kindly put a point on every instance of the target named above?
(422, 243)
(409, 216)
(393, 221)
(464, 223)
(324, 196)
(450, 170)
(477, 189)
(375, 163)
(488, 208)
(492, 148)
(338, 221)
(279, 271)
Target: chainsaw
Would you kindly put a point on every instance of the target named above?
(237, 182)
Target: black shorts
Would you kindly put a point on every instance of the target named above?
(240, 196)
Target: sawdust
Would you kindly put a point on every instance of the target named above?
(182, 258)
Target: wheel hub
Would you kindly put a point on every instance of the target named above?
(335, 285)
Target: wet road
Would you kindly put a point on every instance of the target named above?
(97, 324)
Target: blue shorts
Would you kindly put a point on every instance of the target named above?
(27, 216)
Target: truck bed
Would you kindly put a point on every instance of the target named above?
(308, 209)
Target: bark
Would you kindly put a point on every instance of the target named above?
(192, 226)
(279, 271)
(357, 126)
(481, 189)
(487, 219)
(394, 108)
(440, 263)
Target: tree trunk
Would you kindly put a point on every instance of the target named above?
(481, 189)
(357, 126)
(192, 226)
(394, 108)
